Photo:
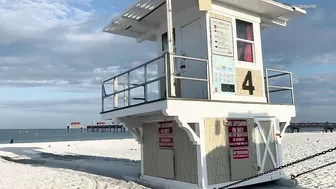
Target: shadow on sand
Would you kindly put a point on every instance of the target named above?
(104, 166)
(116, 168)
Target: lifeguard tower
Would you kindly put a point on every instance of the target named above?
(202, 110)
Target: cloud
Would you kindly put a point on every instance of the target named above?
(305, 47)
(56, 48)
(59, 44)
(56, 43)
(315, 97)
(54, 113)
(35, 104)
(304, 39)
(24, 19)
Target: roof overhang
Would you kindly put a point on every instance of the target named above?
(143, 19)
(271, 12)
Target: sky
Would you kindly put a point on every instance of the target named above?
(53, 55)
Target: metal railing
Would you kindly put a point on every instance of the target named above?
(127, 87)
(277, 88)
(197, 61)
(165, 78)
(168, 80)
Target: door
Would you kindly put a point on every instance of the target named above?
(192, 46)
(266, 144)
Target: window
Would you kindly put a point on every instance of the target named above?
(164, 39)
(245, 41)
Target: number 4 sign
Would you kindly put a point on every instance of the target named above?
(249, 82)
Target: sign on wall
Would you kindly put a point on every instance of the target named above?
(166, 134)
(240, 154)
(237, 130)
(223, 74)
(249, 82)
(221, 37)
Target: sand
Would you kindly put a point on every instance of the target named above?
(105, 163)
(300, 145)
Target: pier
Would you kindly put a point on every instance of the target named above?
(98, 127)
(105, 128)
(311, 127)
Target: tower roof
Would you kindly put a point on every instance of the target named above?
(143, 18)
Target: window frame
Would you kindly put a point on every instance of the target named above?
(245, 41)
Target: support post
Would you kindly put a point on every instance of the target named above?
(166, 87)
(292, 85)
(129, 91)
(145, 86)
(170, 47)
(103, 96)
(125, 99)
(267, 89)
(115, 89)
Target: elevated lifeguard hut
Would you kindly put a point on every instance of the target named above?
(212, 121)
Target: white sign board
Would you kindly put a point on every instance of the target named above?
(224, 74)
(221, 37)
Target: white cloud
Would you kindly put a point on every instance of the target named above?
(40, 14)
(60, 45)
(317, 15)
(324, 58)
(5, 60)
(35, 82)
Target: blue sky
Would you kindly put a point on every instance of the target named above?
(53, 56)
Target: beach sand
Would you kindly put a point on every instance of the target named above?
(103, 164)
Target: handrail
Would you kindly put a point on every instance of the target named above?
(200, 60)
(130, 88)
(169, 75)
(280, 71)
(278, 88)
(135, 68)
(190, 78)
(191, 58)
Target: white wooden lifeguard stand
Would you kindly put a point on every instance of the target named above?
(212, 121)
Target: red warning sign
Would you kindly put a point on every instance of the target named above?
(238, 135)
(241, 154)
(166, 135)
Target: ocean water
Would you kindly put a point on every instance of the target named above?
(54, 135)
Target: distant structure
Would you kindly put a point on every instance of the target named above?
(98, 127)
(311, 127)
(105, 128)
(75, 125)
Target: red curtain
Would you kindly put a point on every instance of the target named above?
(248, 47)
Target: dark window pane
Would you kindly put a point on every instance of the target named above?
(245, 51)
(244, 30)
(164, 39)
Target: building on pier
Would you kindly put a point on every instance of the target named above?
(75, 125)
